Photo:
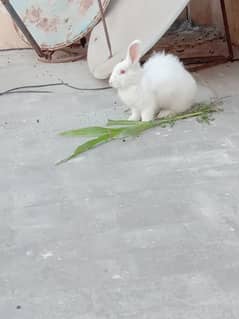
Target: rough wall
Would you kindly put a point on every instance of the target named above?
(8, 35)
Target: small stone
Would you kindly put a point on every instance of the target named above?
(18, 307)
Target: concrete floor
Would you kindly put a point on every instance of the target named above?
(147, 229)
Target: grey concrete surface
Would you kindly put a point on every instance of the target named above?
(142, 229)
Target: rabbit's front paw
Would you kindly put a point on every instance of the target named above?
(148, 115)
(135, 116)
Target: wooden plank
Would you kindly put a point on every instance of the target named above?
(208, 12)
(198, 48)
(233, 13)
(203, 41)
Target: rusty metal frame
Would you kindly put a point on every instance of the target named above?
(105, 28)
(48, 53)
(227, 30)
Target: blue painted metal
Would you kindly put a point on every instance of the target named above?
(57, 23)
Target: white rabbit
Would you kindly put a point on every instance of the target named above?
(162, 87)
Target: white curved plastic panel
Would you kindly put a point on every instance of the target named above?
(128, 20)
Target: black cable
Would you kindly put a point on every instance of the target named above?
(15, 49)
(25, 91)
(16, 89)
(20, 89)
(87, 89)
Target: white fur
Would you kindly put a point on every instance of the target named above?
(162, 87)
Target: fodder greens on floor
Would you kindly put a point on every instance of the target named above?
(118, 129)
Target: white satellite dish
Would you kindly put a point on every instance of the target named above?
(127, 20)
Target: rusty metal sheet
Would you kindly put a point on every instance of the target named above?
(57, 23)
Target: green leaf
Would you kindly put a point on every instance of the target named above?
(93, 131)
(122, 122)
(111, 134)
(86, 147)
(202, 112)
(136, 129)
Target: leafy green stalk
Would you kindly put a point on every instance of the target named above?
(93, 131)
(202, 112)
(85, 147)
(104, 138)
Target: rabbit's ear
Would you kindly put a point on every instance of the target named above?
(134, 51)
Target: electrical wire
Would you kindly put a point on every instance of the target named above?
(15, 49)
(23, 89)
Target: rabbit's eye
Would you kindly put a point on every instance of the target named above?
(122, 71)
